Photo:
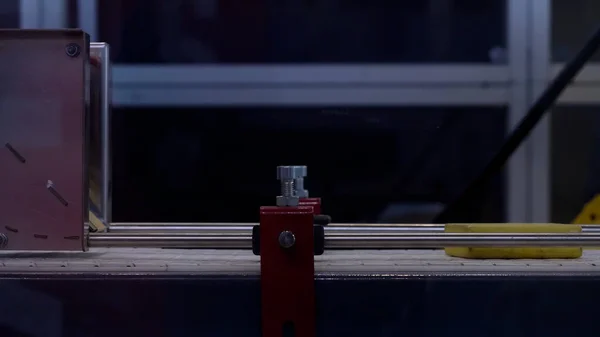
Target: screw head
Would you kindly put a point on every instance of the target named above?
(291, 172)
(283, 201)
(287, 239)
(72, 50)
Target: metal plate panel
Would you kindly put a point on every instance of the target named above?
(43, 138)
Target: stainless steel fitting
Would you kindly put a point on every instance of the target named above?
(290, 177)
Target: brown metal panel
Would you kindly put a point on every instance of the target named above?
(43, 138)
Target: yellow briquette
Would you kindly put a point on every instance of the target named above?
(516, 252)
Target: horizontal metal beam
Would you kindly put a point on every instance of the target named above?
(177, 97)
(245, 228)
(407, 75)
(239, 229)
(397, 241)
(238, 224)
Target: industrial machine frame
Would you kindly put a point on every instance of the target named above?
(287, 239)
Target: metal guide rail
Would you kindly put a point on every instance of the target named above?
(240, 236)
(153, 262)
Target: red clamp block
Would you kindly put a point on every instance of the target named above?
(314, 202)
(287, 267)
(319, 218)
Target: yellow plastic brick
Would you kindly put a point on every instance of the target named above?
(516, 252)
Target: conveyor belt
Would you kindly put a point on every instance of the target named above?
(135, 261)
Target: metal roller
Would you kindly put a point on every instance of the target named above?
(246, 230)
(119, 225)
(236, 229)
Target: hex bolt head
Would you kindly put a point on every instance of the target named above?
(287, 239)
(291, 172)
(283, 201)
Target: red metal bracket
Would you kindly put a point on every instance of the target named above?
(314, 202)
(287, 274)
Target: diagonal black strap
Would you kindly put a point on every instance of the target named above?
(462, 210)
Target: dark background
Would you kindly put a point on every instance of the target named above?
(373, 307)
(218, 164)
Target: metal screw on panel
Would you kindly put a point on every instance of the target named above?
(72, 50)
(287, 239)
(3, 240)
(288, 176)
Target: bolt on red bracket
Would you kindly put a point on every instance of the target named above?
(319, 219)
(287, 240)
(287, 270)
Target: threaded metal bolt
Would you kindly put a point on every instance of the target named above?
(289, 177)
(288, 188)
